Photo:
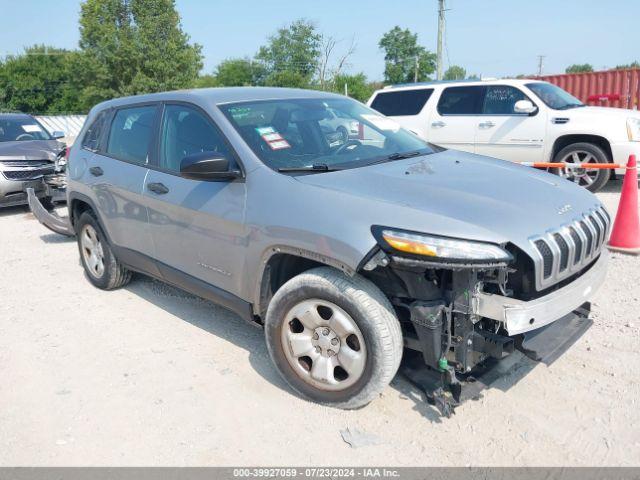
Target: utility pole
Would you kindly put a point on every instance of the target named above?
(540, 59)
(441, 10)
(415, 74)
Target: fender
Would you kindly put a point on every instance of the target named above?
(259, 290)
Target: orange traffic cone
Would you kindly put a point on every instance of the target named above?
(625, 236)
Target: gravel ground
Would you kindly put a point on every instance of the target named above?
(148, 375)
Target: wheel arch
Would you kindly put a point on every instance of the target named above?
(569, 139)
(281, 263)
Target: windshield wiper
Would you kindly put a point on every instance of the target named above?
(316, 167)
(402, 156)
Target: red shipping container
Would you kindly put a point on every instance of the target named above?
(609, 88)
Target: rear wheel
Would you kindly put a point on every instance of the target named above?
(103, 269)
(591, 179)
(335, 339)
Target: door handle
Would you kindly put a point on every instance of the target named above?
(487, 124)
(96, 171)
(438, 124)
(158, 188)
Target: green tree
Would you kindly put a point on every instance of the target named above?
(206, 81)
(357, 86)
(290, 57)
(454, 72)
(405, 60)
(237, 72)
(134, 46)
(38, 81)
(634, 64)
(579, 68)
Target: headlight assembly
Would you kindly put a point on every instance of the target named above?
(434, 247)
(633, 129)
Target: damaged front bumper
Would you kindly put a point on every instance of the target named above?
(53, 222)
(520, 316)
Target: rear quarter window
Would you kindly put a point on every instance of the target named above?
(91, 139)
(461, 100)
(401, 102)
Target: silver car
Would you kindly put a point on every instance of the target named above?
(349, 251)
(28, 153)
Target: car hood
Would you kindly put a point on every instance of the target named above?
(30, 150)
(588, 112)
(460, 195)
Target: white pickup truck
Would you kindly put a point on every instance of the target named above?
(516, 120)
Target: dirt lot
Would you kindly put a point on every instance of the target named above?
(149, 375)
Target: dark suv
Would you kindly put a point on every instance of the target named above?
(27, 154)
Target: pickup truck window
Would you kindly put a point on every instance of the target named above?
(501, 100)
(303, 133)
(461, 100)
(401, 102)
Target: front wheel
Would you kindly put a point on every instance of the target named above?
(591, 179)
(335, 339)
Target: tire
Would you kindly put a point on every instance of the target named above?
(370, 355)
(592, 180)
(102, 267)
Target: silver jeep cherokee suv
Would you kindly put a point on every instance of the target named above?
(349, 249)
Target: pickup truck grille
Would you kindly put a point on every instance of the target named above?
(564, 252)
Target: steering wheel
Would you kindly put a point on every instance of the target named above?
(346, 145)
(25, 136)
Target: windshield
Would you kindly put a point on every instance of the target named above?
(21, 129)
(554, 97)
(329, 133)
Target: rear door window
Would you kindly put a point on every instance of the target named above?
(401, 102)
(501, 100)
(461, 100)
(130, 133)
(91, 140)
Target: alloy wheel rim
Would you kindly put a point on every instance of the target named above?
(584, 178)
(323, 345)
(92, 251)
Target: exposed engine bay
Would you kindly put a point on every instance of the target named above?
(440, 310)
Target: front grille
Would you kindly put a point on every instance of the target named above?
(25, 163)
(564, 252)
(547, 257)
(577, 241)
(21, 175)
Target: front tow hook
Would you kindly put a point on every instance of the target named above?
(53, 222)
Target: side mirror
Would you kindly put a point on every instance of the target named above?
(524, 106)
(58, 134)
(207, 166)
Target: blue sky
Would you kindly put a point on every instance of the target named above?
(488, 37)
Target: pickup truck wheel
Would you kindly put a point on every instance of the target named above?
(592, 179)
(335, 339)
(103, 269)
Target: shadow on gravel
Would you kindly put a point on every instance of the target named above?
(612, 186)
(8, 211)
(213, 319)
(56, 238)
(224, 324)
